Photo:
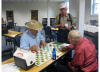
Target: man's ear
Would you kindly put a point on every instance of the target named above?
(73, 40)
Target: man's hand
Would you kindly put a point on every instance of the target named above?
(34, 48)
(57, 26)
(62, 25)
(64, 49)
(43, 43)
(69, 27)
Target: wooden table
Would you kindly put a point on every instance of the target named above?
(34, 68)
(55, 29)
(12, 33)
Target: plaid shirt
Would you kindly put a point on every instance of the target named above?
(84, 56)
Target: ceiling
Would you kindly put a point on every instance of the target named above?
(32, 0)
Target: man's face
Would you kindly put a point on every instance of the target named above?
(63, 11)
(34, 32)
(72, 41)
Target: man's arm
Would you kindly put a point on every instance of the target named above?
(42, 39)
(72, 20)
(77, 61)
(57, 21)
(67, 48)
(34, 48)
(41, 36)
(24, 44)
(43, 43)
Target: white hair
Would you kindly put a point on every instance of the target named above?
(74, 34)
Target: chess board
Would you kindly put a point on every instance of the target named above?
(45, 53)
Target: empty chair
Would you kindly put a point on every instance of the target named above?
(48, 34)
(16, 41)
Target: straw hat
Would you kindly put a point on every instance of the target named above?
(63, 5)
(35, 25)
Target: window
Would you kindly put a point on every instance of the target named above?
(94, 7)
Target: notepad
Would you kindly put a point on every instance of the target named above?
(64, 45)
(10, 67)
(14, 35)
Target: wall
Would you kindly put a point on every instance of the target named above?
(74, 7)
(74, 10)
(87, 11)
(22, 10)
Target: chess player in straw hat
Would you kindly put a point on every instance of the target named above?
(32, 38)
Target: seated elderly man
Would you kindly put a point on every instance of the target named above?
(84, 59)
(32, 38)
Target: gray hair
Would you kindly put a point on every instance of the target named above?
(74, 34)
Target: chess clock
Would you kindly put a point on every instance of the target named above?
(24, 59)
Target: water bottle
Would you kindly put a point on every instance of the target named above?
(54, 54)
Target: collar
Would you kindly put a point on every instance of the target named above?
(80, 42)
(65, 15)
(33, 36)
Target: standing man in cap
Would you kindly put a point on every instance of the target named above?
(64, 21)
(32, 39)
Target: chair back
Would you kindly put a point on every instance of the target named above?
(17, 40)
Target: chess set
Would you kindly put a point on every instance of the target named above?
(26, 59)
(45, 53)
